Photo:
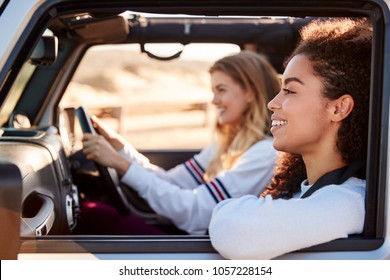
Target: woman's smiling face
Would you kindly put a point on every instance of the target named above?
(300, 118)
(229, 98)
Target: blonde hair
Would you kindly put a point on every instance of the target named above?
(255, 74)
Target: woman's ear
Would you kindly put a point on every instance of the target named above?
(249, 96)
(342, 107)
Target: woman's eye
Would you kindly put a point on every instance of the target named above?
(287, 91)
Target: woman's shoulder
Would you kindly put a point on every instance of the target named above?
(263, 144)
(355, 181)
(353, 184)
(262, 149)
(353, 187)
(356, 185)
(261, 156)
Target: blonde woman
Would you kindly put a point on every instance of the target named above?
(239, 162)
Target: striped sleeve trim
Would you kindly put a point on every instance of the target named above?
(196, 170)
(217, 190)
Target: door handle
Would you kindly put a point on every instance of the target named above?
(39, 219)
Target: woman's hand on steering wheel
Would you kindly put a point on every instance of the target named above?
(116, 140)
(98, 149)
(108, 176)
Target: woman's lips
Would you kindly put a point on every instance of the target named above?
(276, 124)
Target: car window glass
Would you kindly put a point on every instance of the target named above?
(16, 91)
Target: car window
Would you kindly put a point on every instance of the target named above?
(16, 91)
(155, 104)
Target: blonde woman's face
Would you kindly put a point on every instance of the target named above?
(229, 98)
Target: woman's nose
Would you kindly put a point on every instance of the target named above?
(215, 100)
(274, 103)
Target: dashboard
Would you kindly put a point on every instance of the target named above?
(49, 198)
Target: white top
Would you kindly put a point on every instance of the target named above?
(263, 228)
(182, 195)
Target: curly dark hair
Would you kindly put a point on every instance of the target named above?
(340, 52)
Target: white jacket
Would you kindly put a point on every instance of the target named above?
(184, 197)
(263, 228)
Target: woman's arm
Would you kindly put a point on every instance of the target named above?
(263, 228)
(190, 210)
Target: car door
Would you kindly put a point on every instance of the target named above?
(10, 206)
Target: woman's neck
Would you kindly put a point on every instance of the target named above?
(317, 167)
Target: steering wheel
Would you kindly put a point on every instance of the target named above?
(108, 175)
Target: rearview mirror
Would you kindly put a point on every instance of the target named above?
(46, 51)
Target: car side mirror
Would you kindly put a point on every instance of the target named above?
(45, 51)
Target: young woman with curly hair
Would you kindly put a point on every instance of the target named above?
(239, 162)
(320, 123)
